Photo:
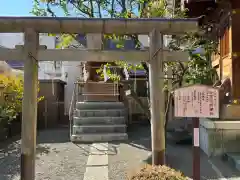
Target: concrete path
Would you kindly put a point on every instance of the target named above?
(59, 159)
(97, 164)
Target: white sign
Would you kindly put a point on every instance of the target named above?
(196, 101)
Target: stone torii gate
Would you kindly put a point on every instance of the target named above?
(31, 53)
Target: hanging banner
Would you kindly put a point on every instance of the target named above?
(196, 101)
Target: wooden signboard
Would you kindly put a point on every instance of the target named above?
(196, 101)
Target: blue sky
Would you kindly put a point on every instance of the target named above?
(19, 8)
(15, 8)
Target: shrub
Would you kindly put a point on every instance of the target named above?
(158, 173)
(13, 95)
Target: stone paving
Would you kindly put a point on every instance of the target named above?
(59, 159)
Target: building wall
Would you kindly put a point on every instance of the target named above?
(228, 62)
(10, 40)
(223, 65)
(236, 47)
(70, 71)
(73, 70)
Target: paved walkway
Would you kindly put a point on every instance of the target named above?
(59, 159)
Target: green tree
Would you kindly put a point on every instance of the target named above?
(105, 8)
(197, 70)
(12, 96)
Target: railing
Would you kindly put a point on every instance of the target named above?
(81, 94)
(89, 75)
(85, 90)
(72, 108)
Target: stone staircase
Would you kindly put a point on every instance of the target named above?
(99, 122)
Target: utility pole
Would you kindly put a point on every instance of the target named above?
(29, 111)
(157, 102)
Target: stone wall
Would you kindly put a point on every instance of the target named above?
(219, 137)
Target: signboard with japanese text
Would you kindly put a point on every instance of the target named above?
(196, 101)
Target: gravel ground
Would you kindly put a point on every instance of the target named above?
(133, 154)
(57, 158)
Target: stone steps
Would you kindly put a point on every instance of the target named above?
(99, 129)
(100, 113)
(99, 137)
(97, 105)
(99, 121)
(78, 121)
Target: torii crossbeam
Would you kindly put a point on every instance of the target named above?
(134, 56)
(98, 25)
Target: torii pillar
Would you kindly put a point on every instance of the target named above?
(157, 103)
(29, 111)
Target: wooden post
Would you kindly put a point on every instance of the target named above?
(29, 112)
(196, 149)
(157, 98)
(94, 41)
(221, 62)
(170, 107)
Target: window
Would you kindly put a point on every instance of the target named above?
(57, 65)
(225, 43)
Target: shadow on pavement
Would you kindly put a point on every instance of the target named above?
(57, 135)
(139, 136)
(112, 149)
(10, 159)
(179, 156)
(10, 151)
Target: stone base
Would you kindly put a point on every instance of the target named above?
(96, 137)
(219, 137)
(233, 159)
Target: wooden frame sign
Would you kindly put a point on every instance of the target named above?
(196, 101)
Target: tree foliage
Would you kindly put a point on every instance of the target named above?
(197, 70)
(105, 8)
(12, 96)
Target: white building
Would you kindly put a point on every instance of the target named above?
(46, 69)
(65, 71)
